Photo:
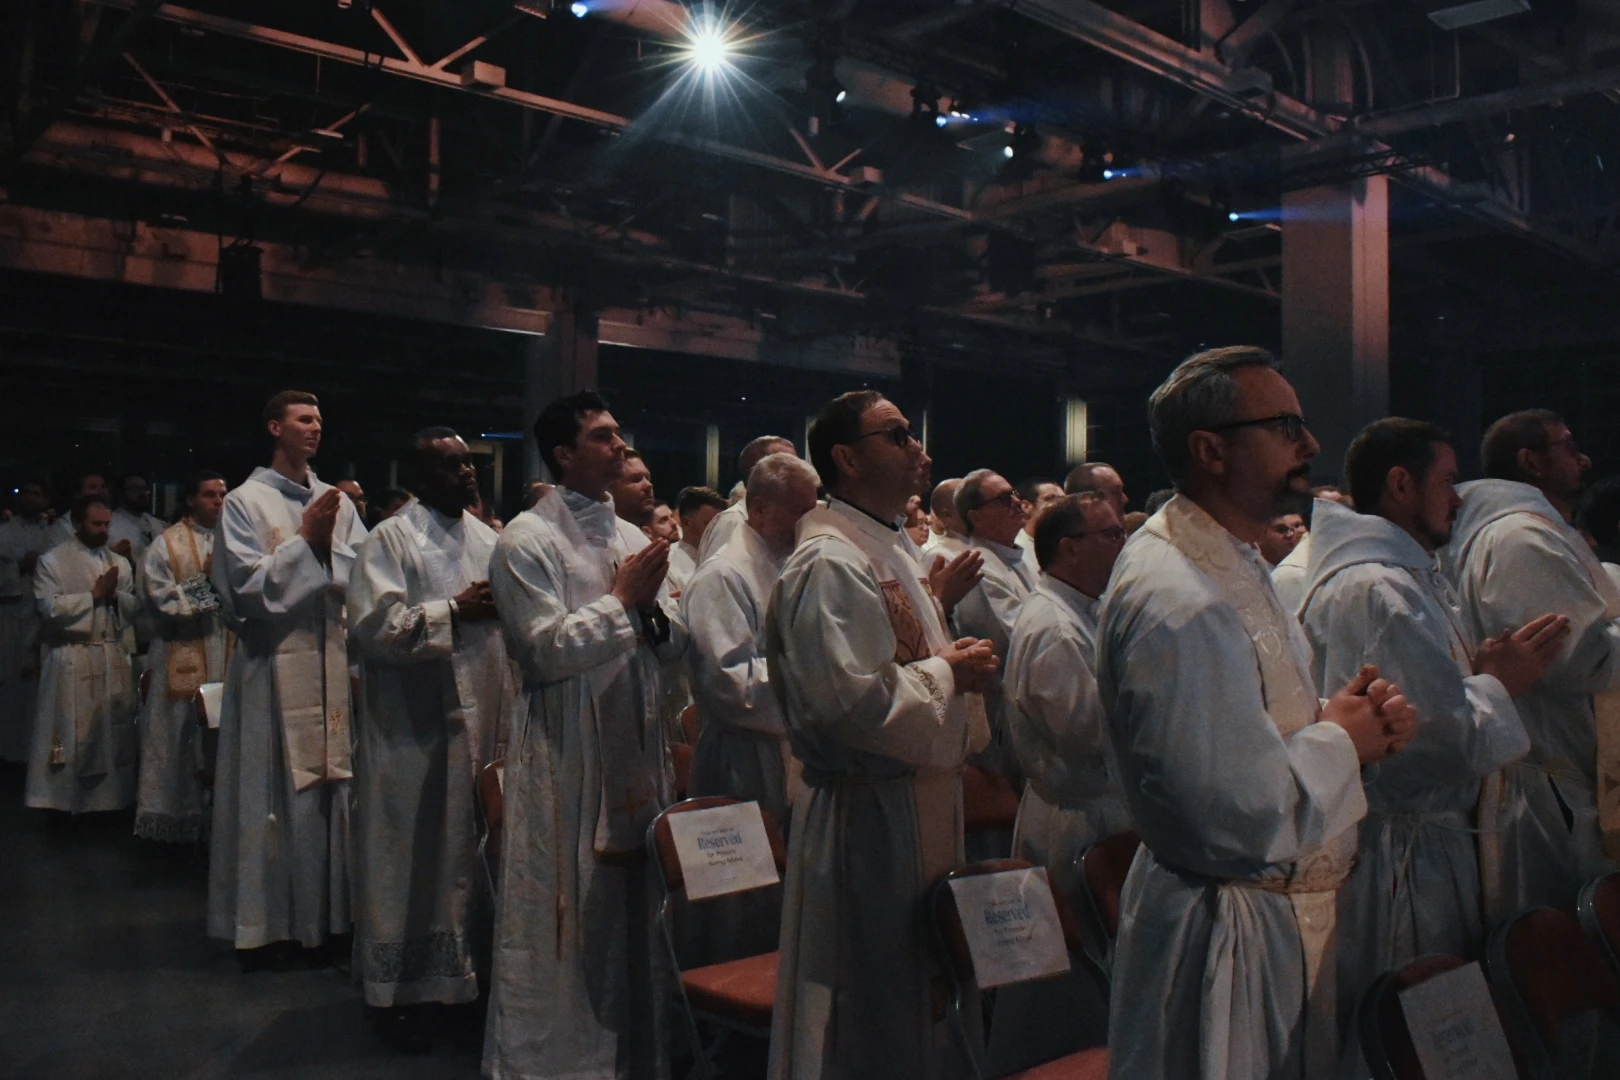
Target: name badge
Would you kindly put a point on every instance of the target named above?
(723, 850)
(1455, 1029)
(1012, 927)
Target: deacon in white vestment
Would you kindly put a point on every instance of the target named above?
(133, 521)
(189, 649)
(727, 521)
(695, 508)
(1289, 576)
(874, 692)
(1376, 595)
(1245, 791)
(279, 862)
(1514, 556)
(23, 539)
(83, 754)
(994, 516)
(579, 976)
(437, 700)
(1072, 797)
(742, 750)
(948, 536)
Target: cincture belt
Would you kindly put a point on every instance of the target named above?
(1318, 874)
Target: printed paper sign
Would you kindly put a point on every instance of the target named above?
(1455, 1029)
(1012, 926)
(723, 850)
(213, 695)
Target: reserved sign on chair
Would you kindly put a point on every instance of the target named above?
(723, 849)
(1011, 925)
(1455, 1029)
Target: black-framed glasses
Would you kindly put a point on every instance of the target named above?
(1291, 425)
(899, 436)
(1005, 500)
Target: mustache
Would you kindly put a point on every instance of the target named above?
(1303, 471)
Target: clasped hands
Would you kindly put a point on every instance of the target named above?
(1374, 713)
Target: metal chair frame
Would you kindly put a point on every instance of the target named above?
(703, 1058)
(1534, 1058)
(1586, 911)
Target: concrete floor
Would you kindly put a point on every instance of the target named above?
(105, 974)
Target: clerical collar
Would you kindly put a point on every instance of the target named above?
(1079, 601)
(892, 526)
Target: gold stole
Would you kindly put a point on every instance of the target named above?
(1312, 883)
(188, 659)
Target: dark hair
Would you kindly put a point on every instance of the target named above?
(559, 423)
(694, 498)
(1600, 512)
(1030, 490)
(1391, 443)
(1080, 477)
(1499, 449)
(1155, 502)
(632, 454)
(1062, 518)
(83, 503)
(1199, 394)
(839, 422)
(127, 477)
(416, 456)
(276, 408)
(394, 494)
(196, 480)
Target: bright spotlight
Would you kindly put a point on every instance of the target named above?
(1007, 151)
(840, 96)
(1234, 216)
(709, 49)
(941, 120)
(579, 9)
(1109, 174)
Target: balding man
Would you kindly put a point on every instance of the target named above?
(1102, 478)
(948, 538)
(743, 750)
(721, 528)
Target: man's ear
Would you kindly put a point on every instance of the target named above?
(1529, 463)
(1208, 451)
(844, 458)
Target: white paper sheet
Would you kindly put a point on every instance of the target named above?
(213, 694)
(1012, 926)
(723, 850)
(1455, 1029)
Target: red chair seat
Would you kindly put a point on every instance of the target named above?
(1086, 1065)
(680, 755)
(743, 990)
(988, 800)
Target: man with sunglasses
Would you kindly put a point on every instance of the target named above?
(1513, 556)
(879, 704)
(1245, 788)
(993, 514)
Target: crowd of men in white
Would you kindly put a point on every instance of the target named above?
(1409, 735)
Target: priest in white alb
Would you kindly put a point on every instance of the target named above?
(1514, 556)
(696, 508)
(742, 750)
(1375, 595)
(84, 741)
(278, 874)
(946, 534)
(579, 977)
(23, 539)
(435, 708)
(879, 712)
(725, 522)
(189, 648)
(1245, 789)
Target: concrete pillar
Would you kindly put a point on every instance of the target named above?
(1335, 311)
(561, 363)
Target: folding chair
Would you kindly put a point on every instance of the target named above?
(737, 995)
(1386, 1040)
(1598, 908)
(680, 757)
(988, 801)
(1105, 865)
(1543, 970)
(492, 804)
(951, 939)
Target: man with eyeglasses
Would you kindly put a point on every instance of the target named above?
(879, 702)
(992, 513)
(1514, 555)
(1245, 788)
(1055, 720)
